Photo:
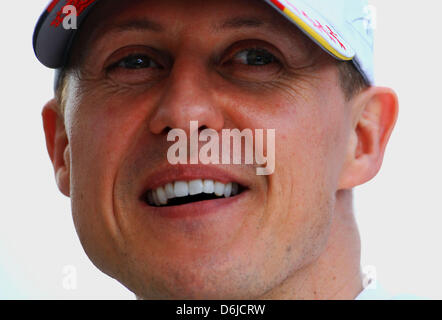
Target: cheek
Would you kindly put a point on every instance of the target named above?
(100, 132)
(103, 126)
(99, 138)
(308, 159)
(310, 144)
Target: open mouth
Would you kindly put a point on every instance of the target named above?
(183, 192)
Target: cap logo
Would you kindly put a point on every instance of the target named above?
(316, 27)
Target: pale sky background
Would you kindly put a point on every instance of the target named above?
(399, 212)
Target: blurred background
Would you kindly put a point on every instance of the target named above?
(399, 212)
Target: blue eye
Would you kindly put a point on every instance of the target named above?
(136, 62)
(255, 57)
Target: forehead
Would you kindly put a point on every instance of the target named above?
(110, 12)
(174, 16)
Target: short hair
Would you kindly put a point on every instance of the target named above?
(350, 79)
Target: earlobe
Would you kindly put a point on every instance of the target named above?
(57, 145)
(375, 113)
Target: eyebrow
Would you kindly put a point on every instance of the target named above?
(240, 23)
(145, 24)
(140, 24)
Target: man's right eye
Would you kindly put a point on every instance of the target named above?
(136, 62)
(135, 66)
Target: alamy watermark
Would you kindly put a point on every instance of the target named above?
(209, 153)
(70, 20)
(69, 281)
(369, 280)
(370, 17)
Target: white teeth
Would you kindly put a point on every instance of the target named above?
(209, 186)
(169, 191)
(219, 189)
(181, 189)
(161, 194)
(196, 187)
(228, 190)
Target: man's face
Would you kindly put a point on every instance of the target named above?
(150, 66)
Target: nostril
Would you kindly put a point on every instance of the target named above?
(166, 130)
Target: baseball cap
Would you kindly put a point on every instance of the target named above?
(343, 28)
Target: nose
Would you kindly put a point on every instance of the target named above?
(187, 96)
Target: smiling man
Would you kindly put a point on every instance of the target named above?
(135, 70)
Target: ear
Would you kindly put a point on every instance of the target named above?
(374, 115)
(57, 145)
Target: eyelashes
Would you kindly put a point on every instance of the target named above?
(136, 61)
(254, 57)
(251, 56)
(138, 64)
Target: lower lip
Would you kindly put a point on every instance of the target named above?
(196, 209)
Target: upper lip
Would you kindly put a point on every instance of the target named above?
(171, 173)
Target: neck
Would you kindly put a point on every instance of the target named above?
(336, 273)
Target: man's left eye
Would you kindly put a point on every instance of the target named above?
(137, 62)
(255, 57)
